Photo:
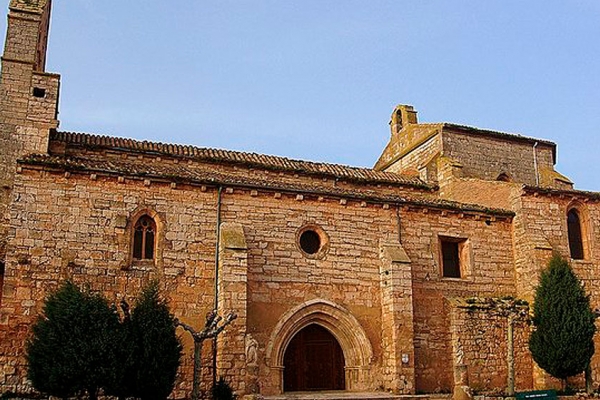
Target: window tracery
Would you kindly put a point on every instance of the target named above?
(144, 238)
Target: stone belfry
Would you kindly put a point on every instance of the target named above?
(28, 94)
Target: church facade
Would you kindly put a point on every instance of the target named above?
(342, 278)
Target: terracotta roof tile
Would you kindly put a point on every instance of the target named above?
(237, 157)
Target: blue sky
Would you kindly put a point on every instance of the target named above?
(318, 79)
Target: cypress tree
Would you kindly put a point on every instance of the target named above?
(157, 347)
(123, 386)
(562, 339)
(71, 347)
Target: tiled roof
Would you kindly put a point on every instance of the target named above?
(184, 174)
(237, 157)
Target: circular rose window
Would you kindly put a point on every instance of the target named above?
(312, 241)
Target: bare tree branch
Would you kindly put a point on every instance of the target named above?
(211, 330)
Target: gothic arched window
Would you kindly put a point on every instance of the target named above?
(575, 236)
(144, 237)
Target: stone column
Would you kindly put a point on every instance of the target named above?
(397, 319)
(232, 286)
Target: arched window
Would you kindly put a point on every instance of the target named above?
(575, 236)
(144, 237)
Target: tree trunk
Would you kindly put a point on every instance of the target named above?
(589, 384)
(197, 369)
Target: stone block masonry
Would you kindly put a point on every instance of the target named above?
(379, 259)
(77, 226)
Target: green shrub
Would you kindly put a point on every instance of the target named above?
(157, 350)
(71, 349)
(80, 345)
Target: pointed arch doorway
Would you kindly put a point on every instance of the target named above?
(313, 360)
(340, 323)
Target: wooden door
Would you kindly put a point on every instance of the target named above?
(313, 361)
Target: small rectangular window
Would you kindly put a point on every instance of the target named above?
(453, 257)
(39, 92)
(450, 259)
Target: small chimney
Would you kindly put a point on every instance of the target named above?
(401, 117)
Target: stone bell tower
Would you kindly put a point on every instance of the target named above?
(28, 94)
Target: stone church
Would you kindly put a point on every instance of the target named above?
(343, 278)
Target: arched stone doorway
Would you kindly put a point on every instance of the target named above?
(313, 361)
(341, 324)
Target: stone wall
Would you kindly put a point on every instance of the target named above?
(480, 335)
(486, 157)
(412, 136)
(376, 282)
(281, 276)
(25, 116)
(397, 311)
(487, 273)
(493, 194)
(78, 225)
(78, 228)
(540, 230)
(420, 161)
(542, 218)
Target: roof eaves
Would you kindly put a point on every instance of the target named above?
(75, 165)
(562, 192)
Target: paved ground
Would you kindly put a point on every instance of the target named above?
(331, 396)
(341, 395)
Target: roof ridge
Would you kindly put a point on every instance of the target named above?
(180, 149)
